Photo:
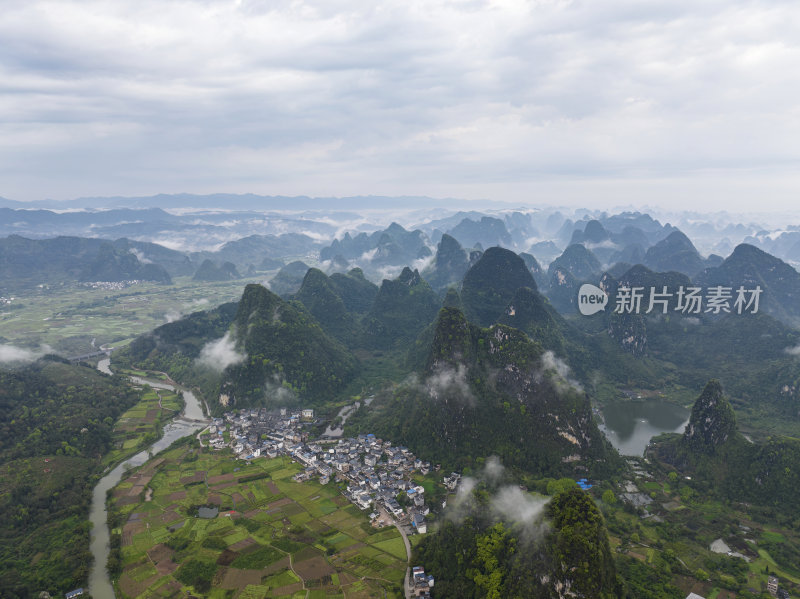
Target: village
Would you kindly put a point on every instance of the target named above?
(377, 474)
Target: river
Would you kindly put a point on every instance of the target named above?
(190, 420)
(344, 414)
(629, 425)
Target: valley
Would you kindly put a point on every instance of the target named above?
(471, 405)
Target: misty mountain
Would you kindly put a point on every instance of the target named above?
(320, 296)
(486, 232)
(450, 263)
(572, 551)
(484, 391)
(261, 351)
(490, 284)
(402, 308)
(287, 280)
(578, 261)
(356, 292)
(448, 222)
(208, 271)
(617, 223)
(521, 228)
(531, 313)
(111, 264)
(749, 267)
(675, 252)
(391, 246)
(630, 254)
(45, 223)
(254, 249)
(545, 251)
(287, 354)
(539, 274)
(594, 232)
(28, 262)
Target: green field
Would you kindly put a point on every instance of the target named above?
(676, 543)
(69, 317)
(140, 426)
(273, 537)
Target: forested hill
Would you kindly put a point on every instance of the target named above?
(722, 462)
(28, 262)
(55, 424)
(489, 391)
(483, 555)
(284, 346)
(262, 350)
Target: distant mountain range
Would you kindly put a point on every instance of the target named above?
(243, 202)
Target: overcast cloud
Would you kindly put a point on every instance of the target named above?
(553, 101)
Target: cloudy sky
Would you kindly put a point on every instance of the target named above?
(582, 102)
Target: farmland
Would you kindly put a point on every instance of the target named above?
(68, 317)
(673, 535)
(141, 425)
(272, 537)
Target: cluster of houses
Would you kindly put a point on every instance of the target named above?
(378, 474)
(421, 583)
(260, 432)
(111, 285)
(5, 301)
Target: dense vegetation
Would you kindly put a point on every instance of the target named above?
(56, 421)
(489, 391)
(402, 308)
(491, 283)
(482, 557)
(725, 464)
(285, 347)
(29, 262)
(450, 264)
(174, 348)
(319, 294)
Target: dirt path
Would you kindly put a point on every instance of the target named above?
(406, 586)
(302, 580)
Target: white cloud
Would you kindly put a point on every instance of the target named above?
(172, 315)
(277, 393)
(140, 256)
(220, 354)
(512, 504)
(10, 354)
(524, 101)
(561, 371)
(793, 351)
(197, 303)
(450, 383)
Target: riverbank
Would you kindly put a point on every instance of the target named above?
(190, 419)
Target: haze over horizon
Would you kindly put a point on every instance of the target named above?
(673, 104)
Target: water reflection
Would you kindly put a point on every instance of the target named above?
(630, 425)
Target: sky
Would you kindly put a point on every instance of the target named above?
(666, 102)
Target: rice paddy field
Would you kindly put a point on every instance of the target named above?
(141, 425)
(68, 317)
(272, 536)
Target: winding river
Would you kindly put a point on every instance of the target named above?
(191, 420)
